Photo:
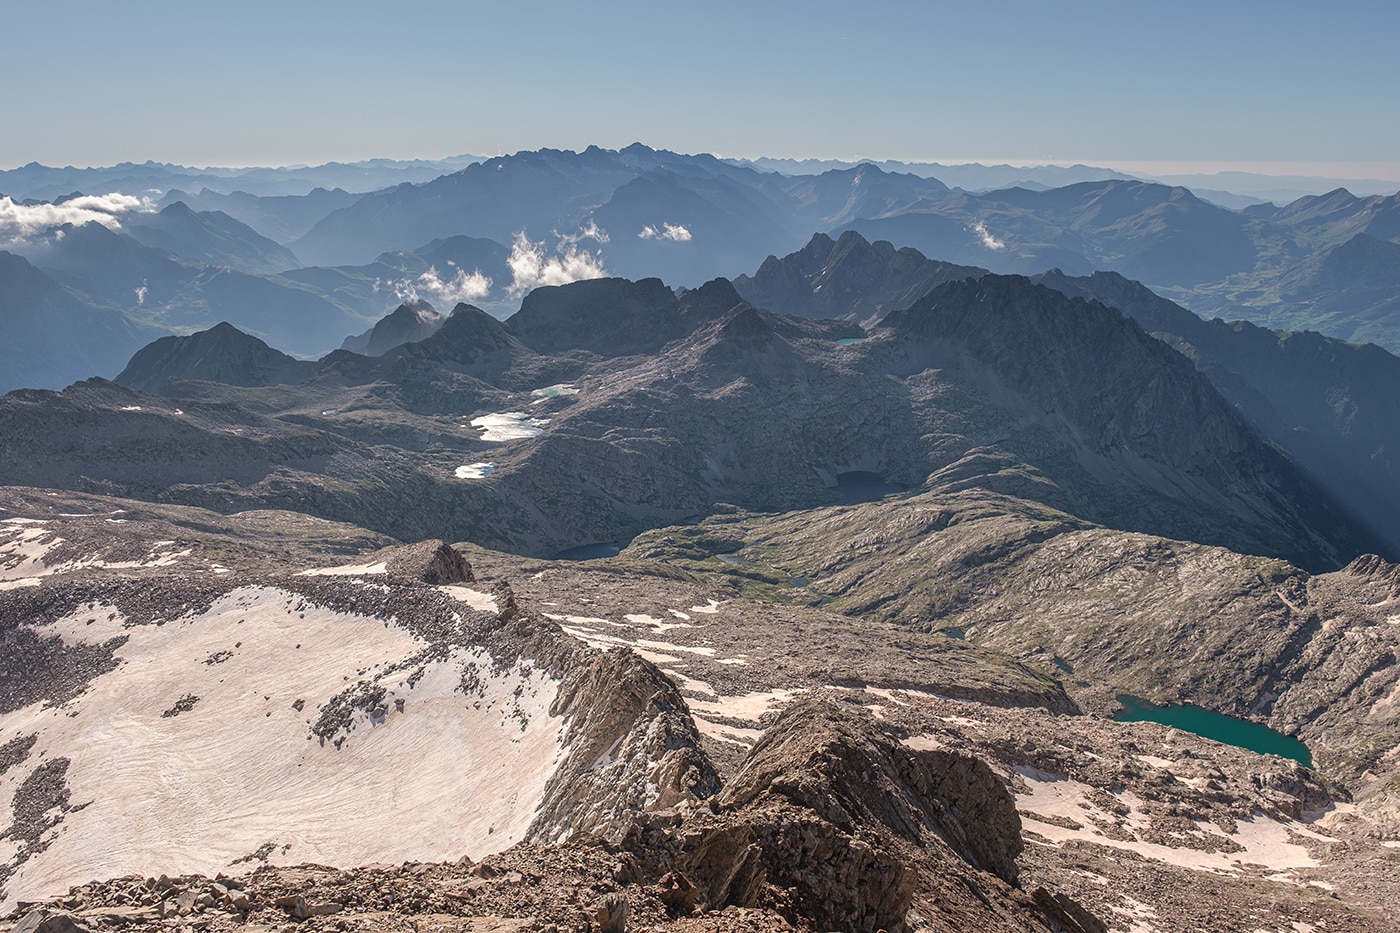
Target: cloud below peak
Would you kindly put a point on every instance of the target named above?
(676, 233)
(463, 286)
(20, 223)
(532, 267)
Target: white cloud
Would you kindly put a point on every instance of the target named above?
(140, 292)
(20, 223)
(530, 267)
(673, 232)
(591, 231)
(463, 286)
(985, 235)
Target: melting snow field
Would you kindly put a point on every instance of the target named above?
(509, 426)
(1266, 843)
(475, 470)
(25, 544)
(193, 752)
(482, 602)
(347, 570)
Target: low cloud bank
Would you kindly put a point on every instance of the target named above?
(443, 293)
(22, 223)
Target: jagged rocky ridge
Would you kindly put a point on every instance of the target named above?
(996, 384)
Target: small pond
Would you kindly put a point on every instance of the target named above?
(1217, 726)
(590, 552)
(861, 486)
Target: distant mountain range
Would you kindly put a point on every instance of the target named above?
(304, 271)
(43, 182)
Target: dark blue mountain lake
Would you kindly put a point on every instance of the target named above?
(860, 486)
(1216, 726)
(590, 552)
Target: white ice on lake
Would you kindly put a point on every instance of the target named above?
(558, 390)
(509, 426)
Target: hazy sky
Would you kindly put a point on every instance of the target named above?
(1251, 84)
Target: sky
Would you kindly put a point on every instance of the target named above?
(1237, 84)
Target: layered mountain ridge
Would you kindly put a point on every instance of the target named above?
(552, 216)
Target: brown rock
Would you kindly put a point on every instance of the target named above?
(678, 893)
(41, 920)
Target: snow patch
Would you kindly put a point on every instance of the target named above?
(653, 623)
(731, 735)
(195, 790)
(347, 570)
(1265, 842)
(749, 706)
(481, 602)
(475, 470)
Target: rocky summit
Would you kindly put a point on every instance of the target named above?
(839, 597)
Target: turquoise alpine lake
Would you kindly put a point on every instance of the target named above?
(1216, 726)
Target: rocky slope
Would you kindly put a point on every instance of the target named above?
(203, 659)
(1111, 613)
(221, 354)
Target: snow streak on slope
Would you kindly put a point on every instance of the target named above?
(198, 748)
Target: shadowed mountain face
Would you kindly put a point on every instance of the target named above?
(849, 279)
(211, 237)
(652, 407)
(50, 333)
(615, 317)
(221, 354)
(409, 322)
(1327, 403)
(1324, 402)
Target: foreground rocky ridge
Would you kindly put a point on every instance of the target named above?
(751, 760)
(629, 781)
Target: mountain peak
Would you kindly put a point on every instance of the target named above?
(410, 322)
(223, 353)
